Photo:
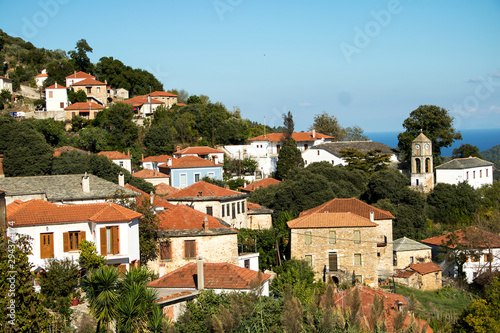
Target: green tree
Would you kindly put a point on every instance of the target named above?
(5, 96)
(159, 140)
(370, 162)
(289, 156)
(75, 97)
(92, 139)
(466, 150)
(355, 133)
(118, 120)
(23, 309)
(298, 276)
(80, 58)
(182, 95)
(52, 130)
(89, 259)
(57, 70)
(456, 204)
(435, 123)
(329, 125)
(60, 279)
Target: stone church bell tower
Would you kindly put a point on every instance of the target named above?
(422, 171)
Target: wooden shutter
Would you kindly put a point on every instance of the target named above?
(165, 250)
(81, 236)
(104, 245)
(332, 262)
(66, 241)
(333, 237)
(186, 249)
(190, 249)
(357, 236)
(115, 240)
(308, 237)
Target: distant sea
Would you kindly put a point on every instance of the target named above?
(484, 139)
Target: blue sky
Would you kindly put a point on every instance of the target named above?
(368, 63)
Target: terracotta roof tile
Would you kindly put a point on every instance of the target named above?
(114, 155)
(39, 212)
(204, 150)
(425, 268)
(157, 201)
(80, 75)
(330, 220)
(139, 100)
(259, 184)
(203, 189)
(84, 106)
(165, 189)
(89, 82)
(159, 158)
(147, 173)
(352, 205)
(297, 136)
(58, 151)
(161, 94)
(404, 274)
(472, 237)
(181, 104)
(182, 217)
(54, 86)
(217, 276)
(42, 75)
(189, 162)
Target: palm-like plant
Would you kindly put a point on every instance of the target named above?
(101, 286)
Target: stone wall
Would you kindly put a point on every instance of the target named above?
(431, 281)
(344, 247)
(385, 249)
(403, 258)
(259, 221)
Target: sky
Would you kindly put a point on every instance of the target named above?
(368, 63)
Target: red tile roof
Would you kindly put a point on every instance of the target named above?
(165, 189)
(157, 201)
(259, 184)
(425, 268)
(84, 106)
(139, 100)
(39, 212)
(330, 220)
(147, 173)
(298, 136)
(217, 276)
(161, 94)
(58, 151)
(54, 86)
(182, 217)
(353, 205)
(203, 189)
(189, 162)
(404, 274)
(252, 206)
(114, 155)
(181, 104)
(80, 75)
(42, 75)
(89, 82)
(472, 237)
(159, 158)
(204, 150)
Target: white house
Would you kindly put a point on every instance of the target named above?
(77, 77)
(478, 249)
(56, 97)
(475, 171)
(208, 153)
(152, 162)
(266, 162)
(144, 106)
(6, 83)
(40, 78)
(330, 152)
(57, 230)
(271, 143)
(121, 159)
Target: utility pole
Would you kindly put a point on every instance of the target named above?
(213, 145)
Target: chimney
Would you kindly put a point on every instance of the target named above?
(3, 213)
(106, 82)
(217, 147)
(314, 133)
(205, 223)
(128, 152)
(86, 183)
(372, 216)
(121, 179)
(56, 84)
(162, 270)
(200, 274)
(227, 187)
(151, 198)
(142, 157)
(216, 159)
(178, 148)
(245, 184)
(169, 162)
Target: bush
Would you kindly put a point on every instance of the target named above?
(61, 278)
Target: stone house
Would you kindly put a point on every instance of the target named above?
(186, 234)
(424, 276)
(121, 159)
(259, 217)
(473, 170)
(477, 250)
(408, 252)
(86, 110)
(77, 77)
(56, 97)
(344, 239)
(152, 176)
(222, 203)
(65, 189)
(330, 151)
(143, 106)
(96, 91)
(57, 230)
(188, 170)
(168, 99)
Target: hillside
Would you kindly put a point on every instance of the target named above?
(492, 154)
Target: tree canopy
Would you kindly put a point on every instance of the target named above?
(466, 150)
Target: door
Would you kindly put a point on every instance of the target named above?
(332, 262)
(46, 245)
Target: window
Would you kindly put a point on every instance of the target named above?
(46, 245)
(165, 251)
(308, 259)
(332, 262)
(233, 206)
(332, 237)
(98, 89)
(110, 241)
(89, 90)
(72, 239)
(308, 237)
(247, 263)
(488, 257)
(473, 174)
(306, 146)
(189, 249)
(467, 175)
(211, 175)
(183, 179)
(238, 207)
(196, 177)
(318, 152)
(121, 164)
(486, 172)
(243, 207)
(437, 276)
(480, 173)
(227, 210)
(357, 236)
(357, 259)
(61, 105)
(475, 258)
(51, 94)
(411, 260)
(223, 210)
(210, 210)
(358, 278)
